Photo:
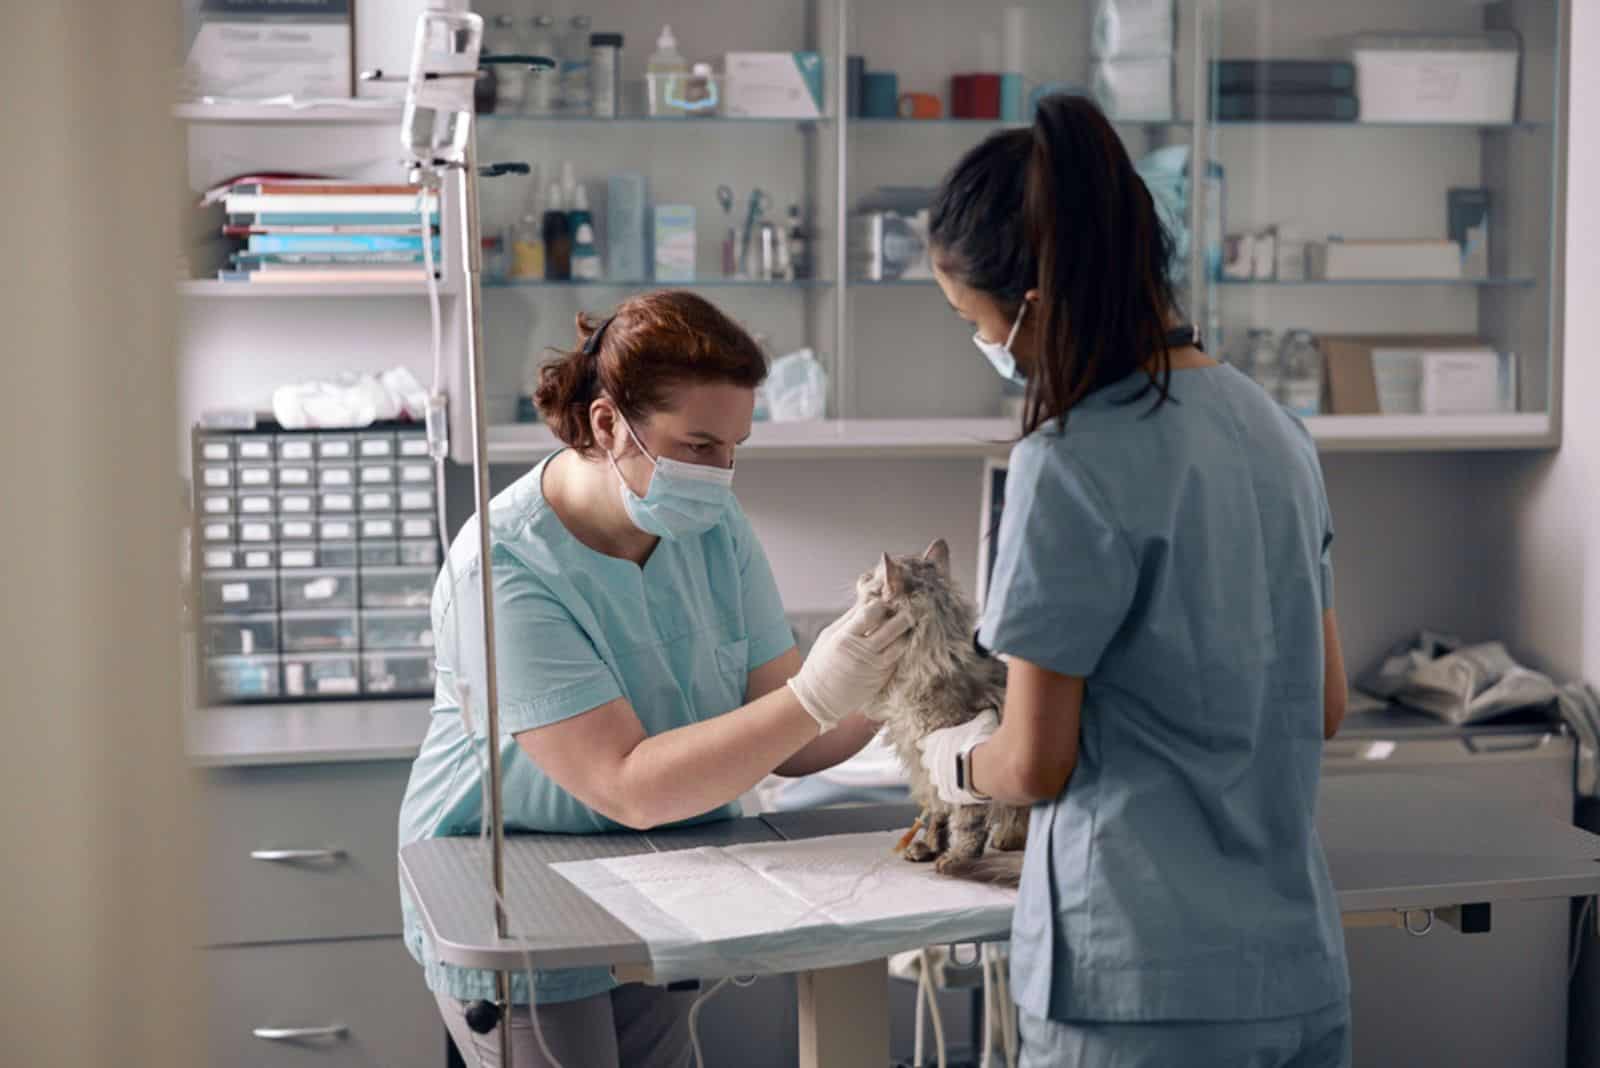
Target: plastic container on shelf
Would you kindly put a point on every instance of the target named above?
(320, 632)
(318, 590)
(239, 635)
(397, 673)
(321, 675)
(404, 630)
(575, 95)
(542, 93)
(243, 678)
(238, 593)
(664, 70)
(1300, 379)
(397, 587)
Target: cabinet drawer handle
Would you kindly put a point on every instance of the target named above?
(282, 856)
(296, 1034)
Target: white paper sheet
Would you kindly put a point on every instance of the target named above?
(785, 906)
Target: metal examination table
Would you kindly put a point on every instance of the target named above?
(1403, 851)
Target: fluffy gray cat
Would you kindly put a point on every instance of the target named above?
(942, 682)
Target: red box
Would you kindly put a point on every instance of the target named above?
(985, 95)
(961, 96)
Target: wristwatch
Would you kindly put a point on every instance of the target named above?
(964, 772)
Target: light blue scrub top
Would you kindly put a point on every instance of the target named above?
(1180, 563)
(575, 629)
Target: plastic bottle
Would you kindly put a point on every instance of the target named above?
(664, 73)
(1300, 364)
(1260, 360)
(575, 67)
(511, 79)
(585, 256)
(605, 74)
(556, 230)
(527, 240)
(543, 91)
(799, 246)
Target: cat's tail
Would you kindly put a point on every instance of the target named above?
(992, 868)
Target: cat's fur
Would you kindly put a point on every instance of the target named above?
(942, 681)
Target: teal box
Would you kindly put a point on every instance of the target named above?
(627, 227)
(674, 242)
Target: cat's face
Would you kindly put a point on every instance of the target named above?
(898, 580)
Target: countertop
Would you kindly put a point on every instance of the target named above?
(325, 732)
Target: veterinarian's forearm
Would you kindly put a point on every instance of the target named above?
(828, 750)
(690, 770)
(1000, 769)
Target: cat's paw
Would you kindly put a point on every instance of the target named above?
(920, 852)
(950, 862)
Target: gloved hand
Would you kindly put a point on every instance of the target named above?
(851, 661)
(941, 747)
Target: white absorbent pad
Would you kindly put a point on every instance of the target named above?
(787, 906)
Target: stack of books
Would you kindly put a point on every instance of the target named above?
(317, 231)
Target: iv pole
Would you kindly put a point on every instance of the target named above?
(430, 173)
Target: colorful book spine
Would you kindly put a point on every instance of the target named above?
(348, 243)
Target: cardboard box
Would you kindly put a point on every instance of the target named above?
(1353, 380)
(773, 85)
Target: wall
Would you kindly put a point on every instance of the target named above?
(94, 905)
(1551, 589)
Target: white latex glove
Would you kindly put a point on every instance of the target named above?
(851, 661)
(940, 749)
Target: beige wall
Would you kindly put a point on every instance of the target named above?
(93, 880)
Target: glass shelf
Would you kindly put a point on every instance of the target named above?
(1360, 125)
(645, 120)
(1514, 282)
(875, 122)
(652, 283)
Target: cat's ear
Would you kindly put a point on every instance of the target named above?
(939, 553)
(894, 582)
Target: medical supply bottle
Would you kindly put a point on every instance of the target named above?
(543, 91)
(575, 67)
(605, 74)
(585, 255)
(511, 79)
(527, 241)
(557, 234)
(799, 246)
(1258, 359)
(663, 74)
(1300, 370)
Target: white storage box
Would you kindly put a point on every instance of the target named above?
(1384, 260)
(1419, 78)
(1468, 382)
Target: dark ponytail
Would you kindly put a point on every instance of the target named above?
(1058, 207)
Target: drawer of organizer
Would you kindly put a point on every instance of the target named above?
(239, 635)
(301, 851)
(401, 552)
(397, 673)
(238, 593)
(319, 590)
(230, 679)
(402, 630)
(320, 632)
(344, 1004)
(397, 587)
(238, 557)
(321, 675)
(326, 554)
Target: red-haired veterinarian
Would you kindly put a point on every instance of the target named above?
(643, 651)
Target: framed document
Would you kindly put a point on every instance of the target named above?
(254, 49)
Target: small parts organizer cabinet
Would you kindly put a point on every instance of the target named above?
(316, 554)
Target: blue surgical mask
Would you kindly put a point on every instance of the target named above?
(683, 499)
(999, 353)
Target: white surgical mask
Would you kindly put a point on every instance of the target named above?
(999, 353)
(682, 499)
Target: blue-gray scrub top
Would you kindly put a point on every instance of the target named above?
(1179, 562)
(575, 629)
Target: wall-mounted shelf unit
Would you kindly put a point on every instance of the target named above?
(904, 377)
(358, 112)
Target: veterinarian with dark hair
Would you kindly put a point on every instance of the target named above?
(647, 672)
(1163, 594)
